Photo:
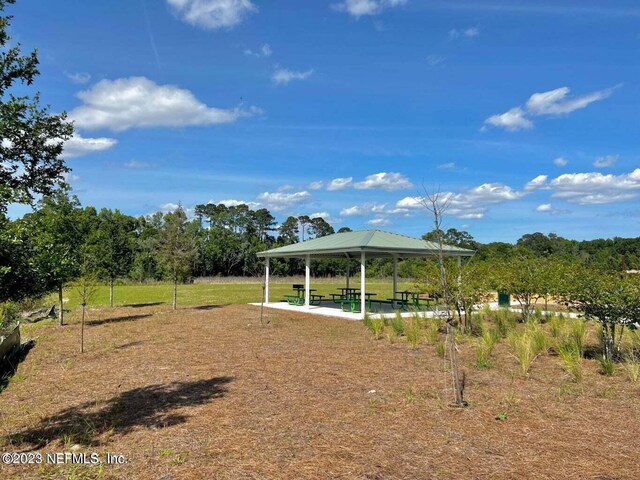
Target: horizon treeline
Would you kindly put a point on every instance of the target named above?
(60, 240)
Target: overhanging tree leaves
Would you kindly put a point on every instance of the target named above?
(31, 138)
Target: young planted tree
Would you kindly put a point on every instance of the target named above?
(609, 299)
(177, 248)
(111, 246)
(86, 288)
(57, 230)
(436, 204)
(525, 278)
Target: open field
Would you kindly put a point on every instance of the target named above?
(242, 291)
(207, 392)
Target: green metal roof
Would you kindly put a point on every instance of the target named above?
(376, 243)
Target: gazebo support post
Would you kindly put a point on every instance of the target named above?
(348, 265)
(307, 280)
(395, 276)
(266, 281)
(363, 280)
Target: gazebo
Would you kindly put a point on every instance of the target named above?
(360, 245)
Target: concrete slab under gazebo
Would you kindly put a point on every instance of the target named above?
(362, 245)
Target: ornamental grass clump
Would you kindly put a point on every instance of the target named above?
(631, 367)
(571, 358)
(432, 330)
(527, 344)
(377, 327)
(557, 325)
(505, 321)
(397, 324)
(413, 331)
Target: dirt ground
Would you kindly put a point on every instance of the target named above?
(209, 393)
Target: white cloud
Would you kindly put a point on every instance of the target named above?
(235, 203)
(605, 161)
(359, 8)
(213, 14)
(77, 145)
(138, 164)
(316, 185)
(545, 207)
(339, 183)
(551, 103)
(281, 201)
(388, 181)
(447, 166)
(470, 204)
(264, 51)
(79, 77)
(326, 216)
(464, 32)
(361, 210)
(138, 102)
(283, 76)
(168, 207)
(379, 222)
(538, 182)
(560, 162)
(513, 120)
(70, 177)
(555, 102)
(595, 188)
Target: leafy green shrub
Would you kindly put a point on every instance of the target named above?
(8, 314)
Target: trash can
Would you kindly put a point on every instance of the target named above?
(504, 299)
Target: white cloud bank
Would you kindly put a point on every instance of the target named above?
(552, 103)
(133, 102)
(360, 8)
(213, 14)
(279, 201)
(474, 203)
(594, 188)
(388, 181)
(339, 183)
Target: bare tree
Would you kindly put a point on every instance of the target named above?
(86, 287)
(436, 204)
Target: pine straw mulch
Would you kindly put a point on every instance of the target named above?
(210, 393)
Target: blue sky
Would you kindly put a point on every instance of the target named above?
(524, 114)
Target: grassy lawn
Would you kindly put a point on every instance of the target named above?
(208, 392)
(218, 293)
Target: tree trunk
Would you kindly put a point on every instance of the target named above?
(60, 305)
(111, 292)
(458, 383)
(175, 294)
(82, 331)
